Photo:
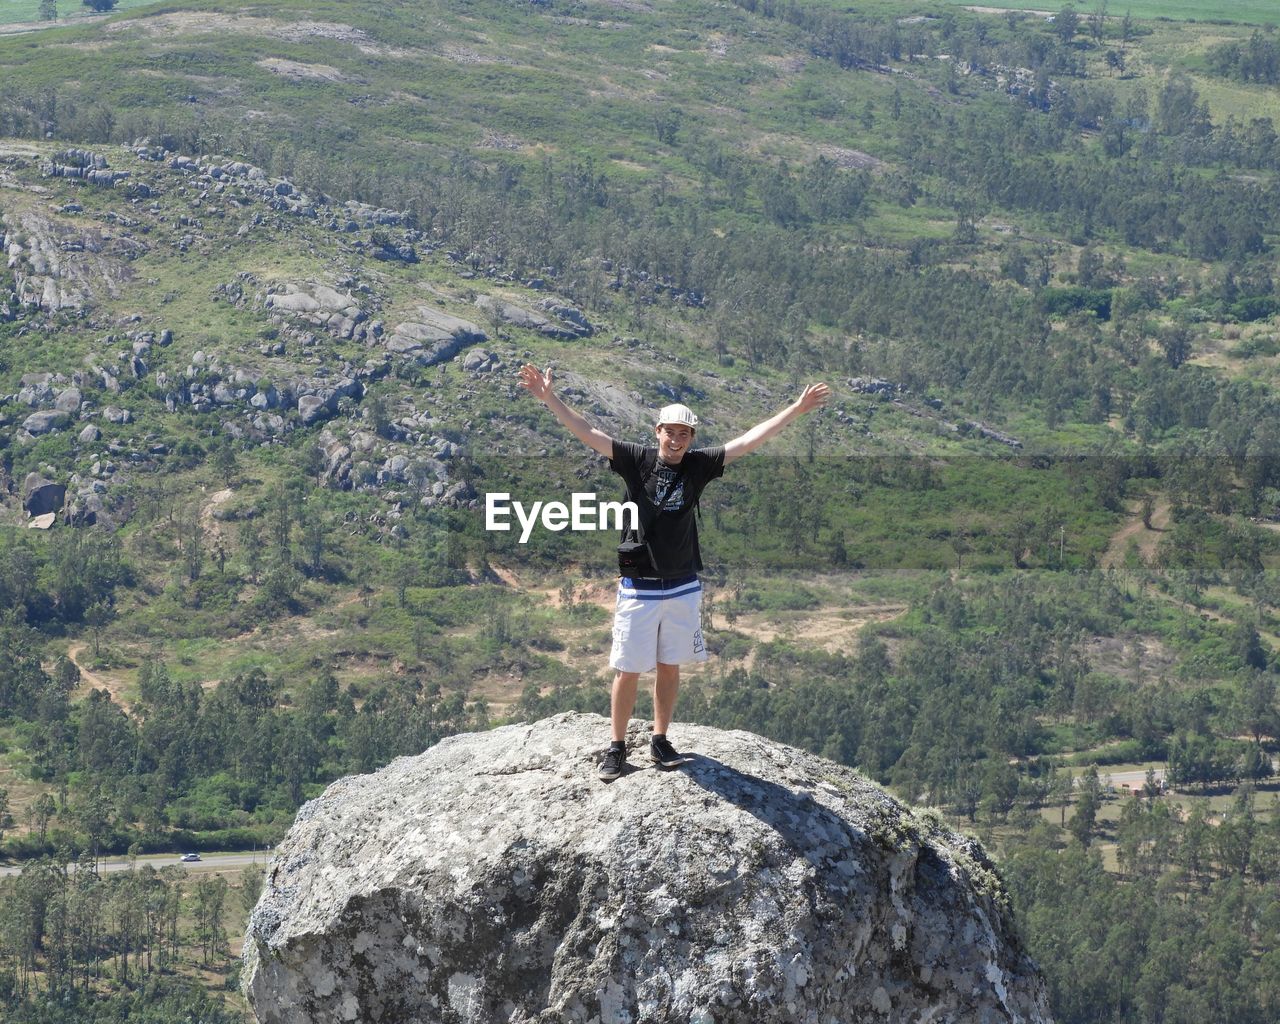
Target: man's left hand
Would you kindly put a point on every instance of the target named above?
(813, 397)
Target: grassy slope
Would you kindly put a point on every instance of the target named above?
(401, 79)
(1245, 12)
(430, 78)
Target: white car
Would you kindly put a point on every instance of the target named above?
(190, 857)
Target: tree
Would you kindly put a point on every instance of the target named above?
(1097, 21)
(314, 534)
(98, 615)
(1259, 712)
(48, 10)
(250, 538)
(39, 813)
(225, 462)
(101, 6)
(1066, 24)
(6, 816)
(1088, 802)
(211, 894)
(1175, 342)
(313, 462)
(251, 879)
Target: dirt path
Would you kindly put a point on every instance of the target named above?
(91, 680)
(1137, 530)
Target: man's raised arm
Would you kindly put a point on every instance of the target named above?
(538, 384)
(813, 397)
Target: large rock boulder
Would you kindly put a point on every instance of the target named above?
(314, 408)
(41, 496)
(433, 337)
(44, 422)
(496, 879)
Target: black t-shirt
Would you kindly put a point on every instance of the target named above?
(672, 531)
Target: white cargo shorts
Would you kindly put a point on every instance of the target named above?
(657, 621)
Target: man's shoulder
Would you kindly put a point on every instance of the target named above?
(630, 453)
(710, 460)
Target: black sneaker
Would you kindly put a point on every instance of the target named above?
(663, 753)
(614, 763)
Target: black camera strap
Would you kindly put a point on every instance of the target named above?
(661, 498)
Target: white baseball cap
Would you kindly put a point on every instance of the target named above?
(677, 414)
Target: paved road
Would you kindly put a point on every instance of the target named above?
(208, 862)
(1130, 778)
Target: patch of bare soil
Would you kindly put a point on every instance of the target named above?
(293, 69)
(853, 159)
(465, 55)
(833, 630)
(1135, 529)
(112, 682)
(1005, 10)
(1137, 659)
(180, 23)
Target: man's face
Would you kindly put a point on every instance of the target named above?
(673, 441)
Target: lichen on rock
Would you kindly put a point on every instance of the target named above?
(494, 878)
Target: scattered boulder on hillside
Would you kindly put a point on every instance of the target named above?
(571, 315)
(874, 386)
(320, 305)
(389, 251)
(69, 401)
(39, 423)
(41, 496)
(319, 402)
(480, 361)
(991, 434)
(81, 163)
(365, 216)
(266, 397)
(519, 316)
(87, 506)
(90, 434)
(37, 389)
(758, 885)
(313, 408)
(114, 414)
(432, 336)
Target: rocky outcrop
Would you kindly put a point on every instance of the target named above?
(495, 878)
(41, 496)
(433, 337)
(81, 163)
(58, 265)
(318, 304)
(570, 321)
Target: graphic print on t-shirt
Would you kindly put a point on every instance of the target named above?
(674, 495)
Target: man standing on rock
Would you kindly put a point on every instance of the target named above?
(657, 620)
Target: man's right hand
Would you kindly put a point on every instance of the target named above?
(536, 382)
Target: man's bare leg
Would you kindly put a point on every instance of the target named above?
(665, 688)
(623, 702)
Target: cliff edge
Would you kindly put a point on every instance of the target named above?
(494, 878)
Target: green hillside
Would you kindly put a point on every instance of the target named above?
(270, 271)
